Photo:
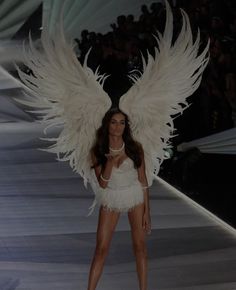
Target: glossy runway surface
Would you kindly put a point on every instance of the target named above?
(47, 241)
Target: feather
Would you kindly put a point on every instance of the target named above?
(168, 78)
(66, 94)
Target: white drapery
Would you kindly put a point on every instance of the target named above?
(220, 143)
(13, 14)
(93, 15)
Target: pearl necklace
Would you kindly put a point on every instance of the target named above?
(119, 149)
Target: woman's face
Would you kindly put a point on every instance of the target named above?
(117, 125)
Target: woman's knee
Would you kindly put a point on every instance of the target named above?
(101, 251)
(140, 248)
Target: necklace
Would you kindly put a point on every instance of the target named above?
(119, 149)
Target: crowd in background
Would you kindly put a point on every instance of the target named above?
(117, 53)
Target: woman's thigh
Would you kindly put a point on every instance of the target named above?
(106, 225)
(136, 223)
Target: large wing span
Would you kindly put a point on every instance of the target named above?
(167, 80)
(64, 93)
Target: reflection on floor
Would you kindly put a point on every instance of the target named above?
(47, 241)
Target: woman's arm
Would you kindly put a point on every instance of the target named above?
(143, 180)
(103, 175)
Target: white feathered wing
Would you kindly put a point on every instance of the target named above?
(167, 80)
(66, 94)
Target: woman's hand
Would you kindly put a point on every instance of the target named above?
(115, 160)
(147, 222)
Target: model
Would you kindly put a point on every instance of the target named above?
(117, 150)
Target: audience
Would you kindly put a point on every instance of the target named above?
(119, 51)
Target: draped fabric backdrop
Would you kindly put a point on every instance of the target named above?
(220, 143)
(13, 14)
(93, 15)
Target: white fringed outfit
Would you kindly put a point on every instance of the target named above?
(123, 191)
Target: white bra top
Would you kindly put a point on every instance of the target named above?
(123, 176)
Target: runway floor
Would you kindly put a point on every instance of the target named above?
(47, 241)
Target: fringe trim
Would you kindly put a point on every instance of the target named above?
(108, 208)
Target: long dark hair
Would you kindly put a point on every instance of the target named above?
(101, 147)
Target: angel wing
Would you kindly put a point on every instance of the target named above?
(66, 94)
(167, 80)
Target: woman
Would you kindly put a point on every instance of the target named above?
(152, 102)
(118, 163)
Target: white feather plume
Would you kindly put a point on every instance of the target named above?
(167, 80)
(66, 94)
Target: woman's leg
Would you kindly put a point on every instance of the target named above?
(106, 225)
(139, 244)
